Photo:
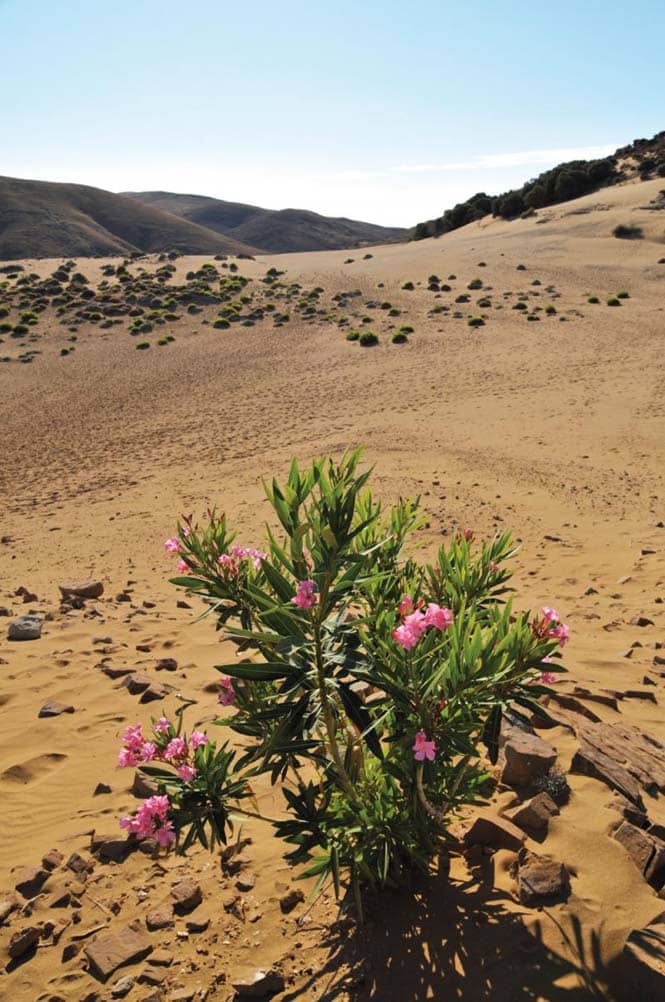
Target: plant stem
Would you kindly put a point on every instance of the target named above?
(438, 813)
(327, 713)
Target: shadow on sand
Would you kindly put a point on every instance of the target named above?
(456, 941)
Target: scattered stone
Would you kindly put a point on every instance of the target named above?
(641, 621)
(82, 589)
(23, 940)
(122, 596)
(159, 918)
(166, 664)
(26, 595)
(122, 987)
(533, 816)
(136, 683)
(8, 904)
(644, 960)
(495, 832)
(149, 976)
(646, 851)
(112, 950)
(252, 983)
(571, 703)
(52, 859)
(111, 848)
(187, 895)
(589, 761)
(526, 756)
(156, 690)
(246, 882)
(631, 750)
(197, 923)
(100, 789)
(541, 879)
(25, 628)
(289, 900)
(78, 865)
(30, 881)
(114, 672)
(181, 604)
(53, 708)
(160, 958)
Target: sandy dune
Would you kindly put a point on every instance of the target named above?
(556, 429)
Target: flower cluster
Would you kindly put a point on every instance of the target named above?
(550, 625)
(415, 621)
(231, 561)
(168, 747)
(172, 545)
(151, 821)
(305, 596)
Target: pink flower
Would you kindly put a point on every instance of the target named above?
(172, 545)
(438, 617)
(151, 821)
(416, 623)
(305, 596)
(468, 535)
(165, 834)
(133, 736)
(225, 560)
(126, 758)
(405, 637)
(550, 615)
(148, 751)
(560, 633)
(182, 567)
(161, 725)
(186, 772)
(197, 739)
(176, 748)
(227, 696)
(423, 748)
(547, 677)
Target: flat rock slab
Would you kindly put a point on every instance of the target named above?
(644, 963)
(186, 895)
(526, 757)
(256, 983)
(23, 940)
(495, 832)
(116, 949)
(646, 850)
(541, 879)
(25, 628)
(53, 708)
(623, 756)
(82, 589)
(533, 816)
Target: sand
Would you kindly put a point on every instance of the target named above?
(554, 429)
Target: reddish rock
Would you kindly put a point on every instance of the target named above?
(646, 851)
(53, 708)
(23, 940)
(136, 683)
(526, 757)
(495, 832)
(186, 894)
(166, 664)
(250, 982)
(112, 950)
(541, 879)
(30, 881)
(289, 900)
(156, 690)
(533, 816)
(78, 865)
(159, 918)
(52, 859)
(82, 589)
(8, 904)
(589, 761)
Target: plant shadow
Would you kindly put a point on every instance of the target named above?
(454, 940)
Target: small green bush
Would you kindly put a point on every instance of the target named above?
(221, 324)
(520, 306)
(623, 294)
(613, 301)
(476, 322)
(408, 286)
(5, 328)
(368, 339)
(593, 300)
(399, 337)
(394, 312)
(476, 283)
(550, 310)
(406, 329)
(627, 232)
(142, 345)
(353, 336)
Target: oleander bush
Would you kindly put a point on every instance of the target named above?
(371, 688)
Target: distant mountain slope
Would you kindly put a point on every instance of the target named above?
(643, 158)
(273, 230)
(46, 219)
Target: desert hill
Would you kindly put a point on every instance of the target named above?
(270, 230)
(548, 418)
(46, 219)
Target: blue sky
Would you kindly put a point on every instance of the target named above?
(386, 111)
